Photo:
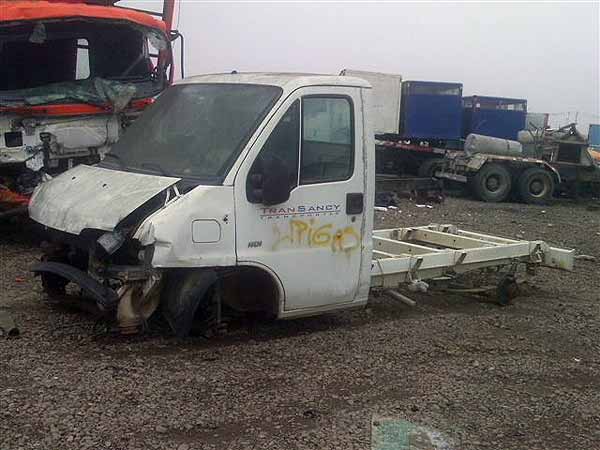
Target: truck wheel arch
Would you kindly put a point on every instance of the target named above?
(253, 287)
(249, 287)
(183, 291)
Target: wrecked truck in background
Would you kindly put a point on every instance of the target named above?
(253, 192)
(74, 76)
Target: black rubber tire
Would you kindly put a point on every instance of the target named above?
(429, 167)
(184, 298)
(536, 186)
(507, 290)
(492, 183)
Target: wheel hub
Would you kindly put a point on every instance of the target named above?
(492, 183)
(537, 188)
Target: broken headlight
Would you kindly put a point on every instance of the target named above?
(111, 242)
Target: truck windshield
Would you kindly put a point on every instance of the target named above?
(194, 131)
(90, 61)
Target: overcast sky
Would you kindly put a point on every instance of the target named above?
(548, 53)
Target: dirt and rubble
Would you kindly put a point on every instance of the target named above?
(526, 376)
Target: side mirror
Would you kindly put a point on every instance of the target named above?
(269, 182)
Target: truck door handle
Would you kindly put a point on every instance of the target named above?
(354, 203)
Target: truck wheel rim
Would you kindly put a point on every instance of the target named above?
(493, 183)
(537, 188)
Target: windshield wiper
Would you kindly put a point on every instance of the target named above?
(156, 166)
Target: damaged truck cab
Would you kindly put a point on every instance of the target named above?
(74, 75)
(250, 189)
(253, 192)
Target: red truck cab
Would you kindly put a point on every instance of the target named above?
(74, 75)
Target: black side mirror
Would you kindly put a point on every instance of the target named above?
(269, 182)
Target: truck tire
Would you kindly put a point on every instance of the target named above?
(492, 183)
(536, 186)
(183, 294)
(429, 167)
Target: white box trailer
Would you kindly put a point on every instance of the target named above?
(269, 207)
(385, 99)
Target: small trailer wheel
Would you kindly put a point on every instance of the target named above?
(507, 290)
(536, 186)
(492, 183)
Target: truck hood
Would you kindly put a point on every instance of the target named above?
(93, 197)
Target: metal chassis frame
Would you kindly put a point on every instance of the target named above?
(404, 255)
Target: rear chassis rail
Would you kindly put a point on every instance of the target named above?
(459, 166)
(405, 255)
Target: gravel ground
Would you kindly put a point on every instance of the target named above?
(525, 376)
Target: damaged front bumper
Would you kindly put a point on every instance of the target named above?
(106, 298)
(130, 300)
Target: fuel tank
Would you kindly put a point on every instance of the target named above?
(478, 143)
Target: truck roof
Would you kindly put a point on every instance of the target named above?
(433, 83)
(498, 100)
(20, 11)
(287, 81)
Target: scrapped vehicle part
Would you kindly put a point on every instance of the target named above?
(11, 203)
(389, 188)
(508, 289)
(106, 298)
(138, 301)
(186, 291)
(96, 68)
(536, 186)
(72, 200)
(8, 326)
(493, 177)
(544, 163)
(492, 183)
(214, 200)
(430, 167)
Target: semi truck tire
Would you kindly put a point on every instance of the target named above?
(429, 167)
(535, 186)
(492, 183)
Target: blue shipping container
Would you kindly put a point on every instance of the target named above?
(594, 136)
(431, 110)
(494, 116)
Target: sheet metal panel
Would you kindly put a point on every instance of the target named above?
(494, 116)
(385, 99)
(431, 110)
(93, 197)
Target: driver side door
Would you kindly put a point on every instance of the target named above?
(312, 241)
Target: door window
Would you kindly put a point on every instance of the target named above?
(327, 148)
(327, 140)
(283, 144)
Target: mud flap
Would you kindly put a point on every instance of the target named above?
(106, 298)
(183, 293)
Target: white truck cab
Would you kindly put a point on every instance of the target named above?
(252, 191)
